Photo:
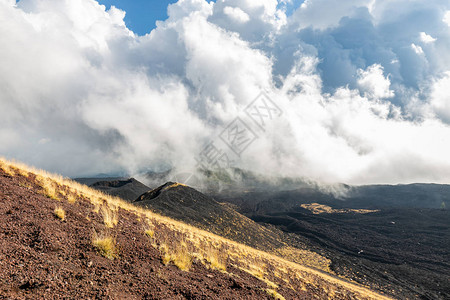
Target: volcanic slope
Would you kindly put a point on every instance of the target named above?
(125, 188)
(188, 205)
(62, 239)
(391, 238)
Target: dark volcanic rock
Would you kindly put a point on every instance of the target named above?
(128, 189)
(402, 248)
(125, 188)
(193, 207)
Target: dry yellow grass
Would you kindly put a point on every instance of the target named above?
(305, 257)
(274, 294)
(60, 213)
(173, 185)
(8, 169)
(317, 209)
(105, 245)
(150, 233)
(216, 258)
(181, 243)
(110, 216)
(71, 198)
(178, 255)
(49, 187)
(150, 229)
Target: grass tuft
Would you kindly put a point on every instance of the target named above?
(8, 170)
(150, 233)
(105, 245)
(110, 217)
(71, 198)
(48, 187)
(178, 255)
(274, 294)
(216, 258)
(60, 213)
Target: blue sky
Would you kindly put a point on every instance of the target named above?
(141, 14)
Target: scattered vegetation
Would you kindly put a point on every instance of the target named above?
(150, 230)
(105, 245)
(60, 213)
(173, 185)
(274, 294)
(8, 169)
(181, 244)
(49, 187)
(71, 198)
(216, 258)
(110, 216)
(305, 257)
(317, 209)
(178, 255)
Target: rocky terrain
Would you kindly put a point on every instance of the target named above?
(125, 188)
(391, 238)
(186, 204)
(61, 239)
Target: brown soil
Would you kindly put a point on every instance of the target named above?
(42, 257)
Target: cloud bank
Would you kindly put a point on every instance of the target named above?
(362, 87)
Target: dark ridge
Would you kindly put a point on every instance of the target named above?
(126, 188)
(193, 207)
(154, 193)
(113, 183)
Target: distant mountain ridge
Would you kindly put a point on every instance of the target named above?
(126, 188)
(184, 203)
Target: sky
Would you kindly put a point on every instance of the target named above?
(141, 15)
(353, 91)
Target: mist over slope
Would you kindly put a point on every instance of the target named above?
(356, 91)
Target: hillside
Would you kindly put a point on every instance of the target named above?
(391, 238)
(188, 205)
(125, 188)
(62, 239)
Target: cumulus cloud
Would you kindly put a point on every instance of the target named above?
(447, 17)
(426, 38)
(373, 83)
(322, 14)
(236, 14)
(440, 97)
(362, 88)
(417, 48)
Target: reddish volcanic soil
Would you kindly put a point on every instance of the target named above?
(42, 257)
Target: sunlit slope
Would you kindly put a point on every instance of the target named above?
(177, 243)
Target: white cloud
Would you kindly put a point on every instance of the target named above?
(321, 14)
(82, 94)
(236, 14)
(426, 38)
(447, 18)
(440, 97)
(417, 49)
(373, 83)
